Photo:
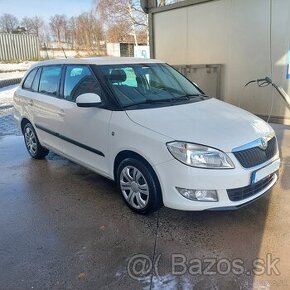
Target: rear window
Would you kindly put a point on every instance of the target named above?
(29, 79)
(49, 80)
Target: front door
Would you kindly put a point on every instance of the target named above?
(85, 131)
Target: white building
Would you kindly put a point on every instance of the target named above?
(127, 49)
(223, 44)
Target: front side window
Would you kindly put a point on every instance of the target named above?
(148, 84)
(49, 80)
(79, 80)
(29, 79)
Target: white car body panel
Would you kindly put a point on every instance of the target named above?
(219, 180)
(132, 137)
(198, 123)
(90, 127)
(47, 114)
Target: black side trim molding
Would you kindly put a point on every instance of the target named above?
(70, 140)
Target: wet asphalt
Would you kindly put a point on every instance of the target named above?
(65, 227)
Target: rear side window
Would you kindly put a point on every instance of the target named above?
(49, 80)
(79, 80)
(29, 79)
(35, 83)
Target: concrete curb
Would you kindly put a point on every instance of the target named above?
(12, 70)
(10, 82)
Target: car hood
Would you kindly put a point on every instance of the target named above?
(210, 122)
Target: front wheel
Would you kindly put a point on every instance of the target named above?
(139, 187)
(32, 144)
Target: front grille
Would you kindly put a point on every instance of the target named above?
(256, 156)
(241, 193)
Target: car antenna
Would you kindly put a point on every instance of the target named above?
(64, 52)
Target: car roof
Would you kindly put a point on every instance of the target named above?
(97, 61)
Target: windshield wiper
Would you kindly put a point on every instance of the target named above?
(170, 100)
(149, 101)
(189, 96)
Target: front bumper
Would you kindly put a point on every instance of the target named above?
(174, 174)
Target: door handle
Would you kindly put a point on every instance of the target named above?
(61, 113)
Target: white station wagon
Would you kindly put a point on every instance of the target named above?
(143, 124)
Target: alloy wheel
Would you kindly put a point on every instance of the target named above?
(30, 140)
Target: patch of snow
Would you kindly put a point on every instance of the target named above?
(6, 95)
(13, 67)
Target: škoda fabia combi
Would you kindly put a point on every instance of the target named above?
(144, 125)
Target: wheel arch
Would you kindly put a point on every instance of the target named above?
(131, 154)
(24, 121)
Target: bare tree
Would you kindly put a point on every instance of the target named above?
(117, 12)
(88, 31)
(46, 37)
(33, 24)
(8, 23)
(71, 26)
(26, 22)
(118, 33)
(57, 25)
(66, 30)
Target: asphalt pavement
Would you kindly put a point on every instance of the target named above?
(65, 227)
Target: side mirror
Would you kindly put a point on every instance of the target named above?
(88, 100)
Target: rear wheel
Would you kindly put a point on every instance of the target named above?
(138, 186)
(33, 146)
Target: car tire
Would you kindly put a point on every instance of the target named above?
(139, 186)
(32, 144)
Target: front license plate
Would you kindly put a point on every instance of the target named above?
(265, 171)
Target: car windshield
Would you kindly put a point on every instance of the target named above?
(148, 84)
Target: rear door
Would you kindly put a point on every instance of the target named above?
(47, 106)
(85, 131)
(23, 98)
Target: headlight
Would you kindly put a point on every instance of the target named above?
(199, 156)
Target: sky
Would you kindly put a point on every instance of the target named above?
(44, 8)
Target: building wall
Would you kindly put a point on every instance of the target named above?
(141, 51)
(113, 49)
(251, 40)
(127, 50)
(19, 47)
